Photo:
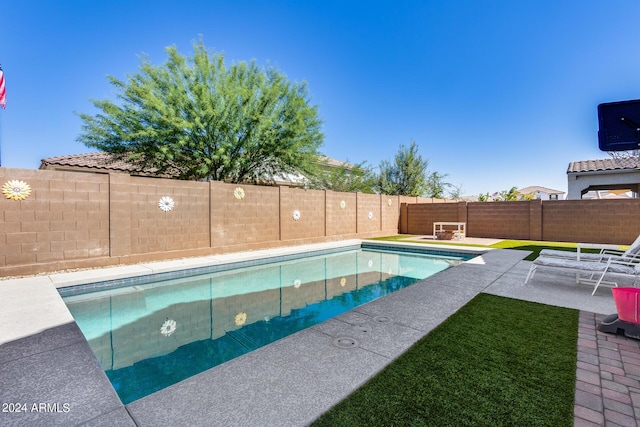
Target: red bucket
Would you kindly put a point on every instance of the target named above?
(626, 300)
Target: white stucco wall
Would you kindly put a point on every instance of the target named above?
(542, 195)
(578, 181)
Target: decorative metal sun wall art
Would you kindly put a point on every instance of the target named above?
(238, 193)
(166, 204)
(296, 215)
(16, 190)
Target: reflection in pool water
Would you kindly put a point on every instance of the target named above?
(148, 337)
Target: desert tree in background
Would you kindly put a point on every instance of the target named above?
(199, 119)
(407, 175)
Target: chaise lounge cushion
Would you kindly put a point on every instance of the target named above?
(606, 253)
(586, 265)
(555, 253)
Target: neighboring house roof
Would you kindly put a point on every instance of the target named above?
(615, 173)
(598, 165)
(104, 162)
(537, 189)
(328, 161)
(95, 161)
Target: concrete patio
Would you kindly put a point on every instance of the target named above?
(44, 358)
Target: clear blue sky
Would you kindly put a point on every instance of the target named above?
(495, 93)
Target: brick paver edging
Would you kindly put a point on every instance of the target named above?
(607, 376)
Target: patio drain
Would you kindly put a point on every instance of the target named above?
(346, 342)
(382, 319)
(362, 328)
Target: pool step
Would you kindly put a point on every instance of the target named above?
(242, 339)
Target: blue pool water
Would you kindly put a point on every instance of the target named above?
(149, 336)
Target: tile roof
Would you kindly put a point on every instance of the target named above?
(98, 161)
(101, 161)
(604, 164)
(328, 161)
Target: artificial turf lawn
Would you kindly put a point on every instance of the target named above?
(535, 247)
(496, 362)
(525, 245)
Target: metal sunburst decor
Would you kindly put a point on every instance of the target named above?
(16, 190)
(166, 204)
(238, 193)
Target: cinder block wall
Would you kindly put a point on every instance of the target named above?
(302, 215)
(341, 213)
(587, 221)
(598, 221)
(500, 220)
(64, 222)
(369, 217)
(404, 217)
(138, 227)
(79, 220)
(420, 219)
(244, 222)
(389, 213)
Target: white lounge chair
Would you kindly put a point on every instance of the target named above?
(606, 252)
(627, 267)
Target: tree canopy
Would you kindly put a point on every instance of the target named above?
(436, 184)
(408, 175)
(196, 118)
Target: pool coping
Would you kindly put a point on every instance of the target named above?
(294, 380)
(289, 382)
(31, 305)
(83, 282)
(48, 364)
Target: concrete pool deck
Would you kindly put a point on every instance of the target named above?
(48, 369)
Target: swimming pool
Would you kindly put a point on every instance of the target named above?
(159, 332)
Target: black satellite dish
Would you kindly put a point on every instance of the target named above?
(619, 126)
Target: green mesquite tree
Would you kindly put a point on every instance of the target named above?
(199, 119)
(436, 185)
(407, 175)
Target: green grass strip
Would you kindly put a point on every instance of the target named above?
(535, 247)
(524, 245)
(496, 362)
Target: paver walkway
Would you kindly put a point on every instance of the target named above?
(607, 377)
